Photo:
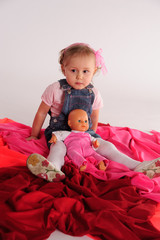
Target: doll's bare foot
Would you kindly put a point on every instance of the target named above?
(82, 168)
(102, 166)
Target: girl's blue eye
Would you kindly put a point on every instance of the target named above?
(79, 120)
(85, 121)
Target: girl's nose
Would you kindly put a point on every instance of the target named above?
(79, 75)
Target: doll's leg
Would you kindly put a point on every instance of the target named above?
(109, 151)
(102, 162)
(57, 154)
(76, 157)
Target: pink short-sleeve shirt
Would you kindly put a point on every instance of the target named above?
(53, 96)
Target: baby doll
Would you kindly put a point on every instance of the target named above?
(79, 143)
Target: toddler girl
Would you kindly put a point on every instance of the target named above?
(79, 63)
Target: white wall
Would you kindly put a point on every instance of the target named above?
(32, 32)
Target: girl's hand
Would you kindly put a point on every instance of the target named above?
(31, 137)
(95, 144)
(53, 139)
(39, 120)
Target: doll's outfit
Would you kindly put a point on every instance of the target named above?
(79, 146)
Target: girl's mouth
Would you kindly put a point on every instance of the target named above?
(78, 83)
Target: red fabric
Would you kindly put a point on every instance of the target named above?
(31, 208)
(6, 120)
(155, 219)
(10, 157)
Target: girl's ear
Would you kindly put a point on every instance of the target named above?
(95, 70)
(63, 70)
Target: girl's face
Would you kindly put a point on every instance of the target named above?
(79, 70)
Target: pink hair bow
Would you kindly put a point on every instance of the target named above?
(100, 61)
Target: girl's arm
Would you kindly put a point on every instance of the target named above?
(39, 120)
(94, 119)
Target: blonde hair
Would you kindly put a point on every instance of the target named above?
(73, 50)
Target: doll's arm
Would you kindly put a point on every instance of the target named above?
(53, 139)
(59, 136)
(95, 143)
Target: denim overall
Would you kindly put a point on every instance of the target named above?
(74, 99)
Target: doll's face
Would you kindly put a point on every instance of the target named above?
(78, 120)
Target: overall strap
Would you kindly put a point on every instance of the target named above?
(64, 85)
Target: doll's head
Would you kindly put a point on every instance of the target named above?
(78, 120)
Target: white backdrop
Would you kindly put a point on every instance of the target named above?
(32, 32)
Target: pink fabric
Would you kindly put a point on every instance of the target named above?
(54, 96)
(14, 135)
(79, 147)
(136, 144)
